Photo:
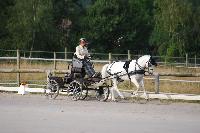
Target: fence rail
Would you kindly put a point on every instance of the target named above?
(156, 76)
(109, 57)
(98, 57)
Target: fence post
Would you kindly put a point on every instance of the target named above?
(65, 53)
(110, 58)
(157, 83)
(195, 61)
(186, 60)
(48, 72)
(18, 67)
(30, 54)
(54, 60)
(129, 55)
(165, 61)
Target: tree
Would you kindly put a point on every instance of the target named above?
(193, 32)
(170, 29)
(70, 13)
(108, 21)
(26, 23)
(5, 5)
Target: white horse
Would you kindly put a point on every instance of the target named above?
(130, 70)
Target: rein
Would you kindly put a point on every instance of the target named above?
(143, 69)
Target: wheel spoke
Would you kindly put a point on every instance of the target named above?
(52, 91)
(78, 90)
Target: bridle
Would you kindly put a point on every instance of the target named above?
(148, 67)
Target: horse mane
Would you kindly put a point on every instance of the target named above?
(144, 56)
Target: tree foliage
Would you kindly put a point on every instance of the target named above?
(174, 27)
(164, 27)
(118, 25)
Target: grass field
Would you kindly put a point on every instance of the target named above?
(165, 86)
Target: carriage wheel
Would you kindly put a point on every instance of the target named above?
(102, 93)
(80, 92)
(52, 91)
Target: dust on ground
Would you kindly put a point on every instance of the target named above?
(34, 113)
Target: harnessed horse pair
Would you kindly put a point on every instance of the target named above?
(133, 71)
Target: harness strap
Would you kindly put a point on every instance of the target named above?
(126, 66)
(109, 70)
(136, 63)
(137, 72)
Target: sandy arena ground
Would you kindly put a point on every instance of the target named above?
(35, 114)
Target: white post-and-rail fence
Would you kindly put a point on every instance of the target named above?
(128, 56)
(155, 77)
(18, 59)
(99, 57)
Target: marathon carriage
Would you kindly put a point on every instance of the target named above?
(76, 84)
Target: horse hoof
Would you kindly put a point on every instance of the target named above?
(123, 98)
(134, 95)
(147, 99)
(126, 98)
(114, 100)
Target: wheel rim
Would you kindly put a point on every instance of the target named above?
(52, 91)
(76, 91)
(79, 91)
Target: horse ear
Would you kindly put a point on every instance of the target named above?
(149, 52)
(153, 61)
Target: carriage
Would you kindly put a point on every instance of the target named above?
(76, 84)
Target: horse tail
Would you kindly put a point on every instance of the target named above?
(104, 72)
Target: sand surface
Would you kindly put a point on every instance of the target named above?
(36, 114)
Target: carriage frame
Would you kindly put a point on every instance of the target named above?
(76, 84)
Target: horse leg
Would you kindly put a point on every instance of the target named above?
(142, 86)
(116, 89)
(112, 94)
(133, 80)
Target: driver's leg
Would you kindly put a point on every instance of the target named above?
(88, 68)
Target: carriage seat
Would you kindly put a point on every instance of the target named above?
(77, 66)
(77, 69)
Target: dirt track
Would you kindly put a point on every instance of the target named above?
(35, 114)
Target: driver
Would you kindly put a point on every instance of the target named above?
(83, 55)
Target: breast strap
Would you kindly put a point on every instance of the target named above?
(126, 66)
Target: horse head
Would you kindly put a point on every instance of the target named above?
(151, 64)
(152, 61)
(147, 62)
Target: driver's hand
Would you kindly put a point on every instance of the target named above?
(86, 57)
(89, 57)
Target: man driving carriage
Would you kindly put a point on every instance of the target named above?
(83, 55)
